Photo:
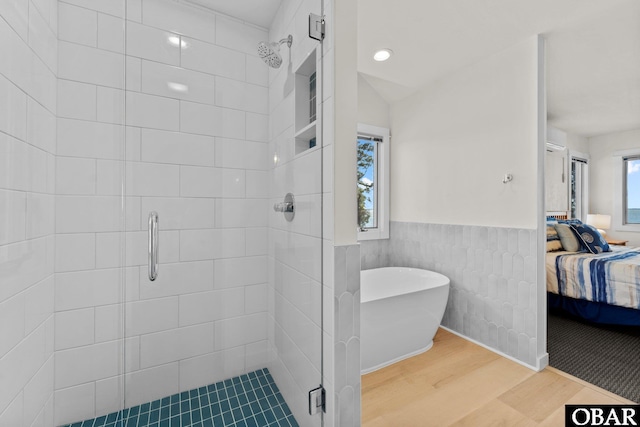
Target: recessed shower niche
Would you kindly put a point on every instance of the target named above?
(306, 104)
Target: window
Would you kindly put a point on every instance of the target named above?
(626, 196)
(373, 182)
(367, 176)
(631, 206)
(579, 187)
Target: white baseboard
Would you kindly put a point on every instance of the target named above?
(541, 361)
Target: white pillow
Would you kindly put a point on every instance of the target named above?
(568, 238)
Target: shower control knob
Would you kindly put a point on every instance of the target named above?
(287, 207)
(283, 207)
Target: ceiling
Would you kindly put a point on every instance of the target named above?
(593, 51)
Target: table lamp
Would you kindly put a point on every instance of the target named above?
(600, 222)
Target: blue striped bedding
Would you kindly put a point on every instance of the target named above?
(611, 277)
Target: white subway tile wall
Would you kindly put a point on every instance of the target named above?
(493, 277)
(189, 131)
(295, 253)
(28, 87)
(187, 112)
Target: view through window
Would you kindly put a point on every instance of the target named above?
(367, 177)
(632, 202)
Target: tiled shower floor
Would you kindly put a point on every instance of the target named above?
(250, 400)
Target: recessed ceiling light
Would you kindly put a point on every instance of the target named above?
(382, 54)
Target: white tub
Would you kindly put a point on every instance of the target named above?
(401, 309)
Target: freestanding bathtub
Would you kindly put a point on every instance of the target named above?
(401, 309)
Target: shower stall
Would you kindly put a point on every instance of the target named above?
(145, 276)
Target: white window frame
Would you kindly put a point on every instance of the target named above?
(619, 191)
(382, 184)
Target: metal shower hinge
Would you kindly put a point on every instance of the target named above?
(316, 26)
(317, 400)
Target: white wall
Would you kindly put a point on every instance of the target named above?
(199, 158)
(452, 144)
(341, 261)
(28, 47)
(601, 179)
(372, 108)
(454, 141)
(345, 121)
(577, 143)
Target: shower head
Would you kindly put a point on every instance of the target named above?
(270, 52)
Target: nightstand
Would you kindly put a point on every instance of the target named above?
(617, 242)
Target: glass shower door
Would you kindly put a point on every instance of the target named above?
(202, 338)
(189, 164)
(138, 127)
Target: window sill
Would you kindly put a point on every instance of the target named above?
(628, 228)
(373, 235)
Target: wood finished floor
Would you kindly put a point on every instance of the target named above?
(458, 383)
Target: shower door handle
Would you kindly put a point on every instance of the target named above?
(153, 245)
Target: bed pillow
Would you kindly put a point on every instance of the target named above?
(551, 231)
(568, 238)
(591, 238)
(554, 245)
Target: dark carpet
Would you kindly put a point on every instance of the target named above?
(607, 356)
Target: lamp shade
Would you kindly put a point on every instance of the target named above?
(602, 222)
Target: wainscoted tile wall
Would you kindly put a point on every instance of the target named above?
(28, 67)
(493, 297)
(347, 335)
(188, 125)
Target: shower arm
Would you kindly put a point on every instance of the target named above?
(288, 41)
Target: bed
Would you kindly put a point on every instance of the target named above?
(602, 288)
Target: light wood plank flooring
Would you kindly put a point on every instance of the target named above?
(458, 383)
